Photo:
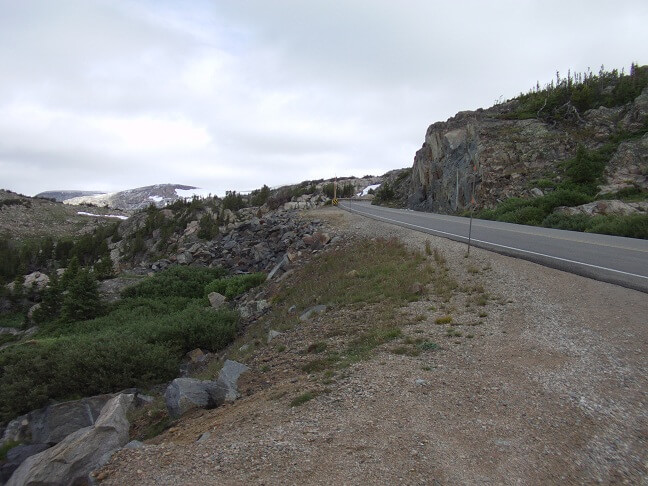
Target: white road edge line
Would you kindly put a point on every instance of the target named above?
(500, 246)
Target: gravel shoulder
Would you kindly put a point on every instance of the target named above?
(549, 389)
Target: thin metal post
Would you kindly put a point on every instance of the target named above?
(470, 231)
(457, 192)
(472, 209)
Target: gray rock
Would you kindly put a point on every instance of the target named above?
(134, 444)
(273, 334)
(184, 258)
(53, 423)
(253, 309)
(318, 309)
(606, 207)
(72, 460)
(536, 192)
(216, 300)
(229, 375)
(203, 437)
(184, 394)
(36, 280)
(279, 267)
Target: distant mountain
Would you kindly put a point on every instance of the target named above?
(139, 198)
(60, 196)
(34, 217)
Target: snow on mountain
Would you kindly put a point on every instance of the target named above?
(138, 198)
(83, 213)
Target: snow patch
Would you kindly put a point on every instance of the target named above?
(156, 199)
(118, 216)
(366, 190)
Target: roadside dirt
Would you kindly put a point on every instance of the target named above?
(547, 387)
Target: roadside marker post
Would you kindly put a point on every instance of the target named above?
(335, 199)
(472, 209)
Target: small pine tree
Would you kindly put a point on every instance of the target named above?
(104, 268)
(260, 196)
(82, 300)
(208, 227)
(50, 307)
(18, 291)
(71, 272)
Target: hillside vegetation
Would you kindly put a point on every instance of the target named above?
(136, 343)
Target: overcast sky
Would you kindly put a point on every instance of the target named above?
(231, 94)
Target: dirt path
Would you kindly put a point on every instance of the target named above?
(547, 387)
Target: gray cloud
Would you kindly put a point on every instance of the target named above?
(231, 95)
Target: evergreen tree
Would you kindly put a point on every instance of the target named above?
(18, 291)
(208, 227)
(260, 196)
(82, 300)
(104, 267)
(70, 273)
(50, 306)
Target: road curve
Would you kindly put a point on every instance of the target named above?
(614, 259)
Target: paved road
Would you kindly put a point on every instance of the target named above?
(622, 261)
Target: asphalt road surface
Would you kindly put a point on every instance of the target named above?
(614, 259)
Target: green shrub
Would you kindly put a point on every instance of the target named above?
(586, 167)
(561, 197)
(176, 281)
(384, 194)
(578, 222)
(524, 215)
(232, 287)
(632, 226)
(140, 342)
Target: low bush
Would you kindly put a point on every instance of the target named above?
(632, 226)
(525, 215)
(176, 281)
(234, 286)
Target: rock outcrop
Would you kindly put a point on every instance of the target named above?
(495, 158)
(72, 459)
(51, 424)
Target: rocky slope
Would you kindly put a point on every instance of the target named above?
(504, 158)
(539, 383)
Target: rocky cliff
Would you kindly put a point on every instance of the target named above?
(486, 152)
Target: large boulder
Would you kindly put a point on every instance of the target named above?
(72, 460)
(53, 423)
(36, 280)
(229, 375)
(184, 394)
